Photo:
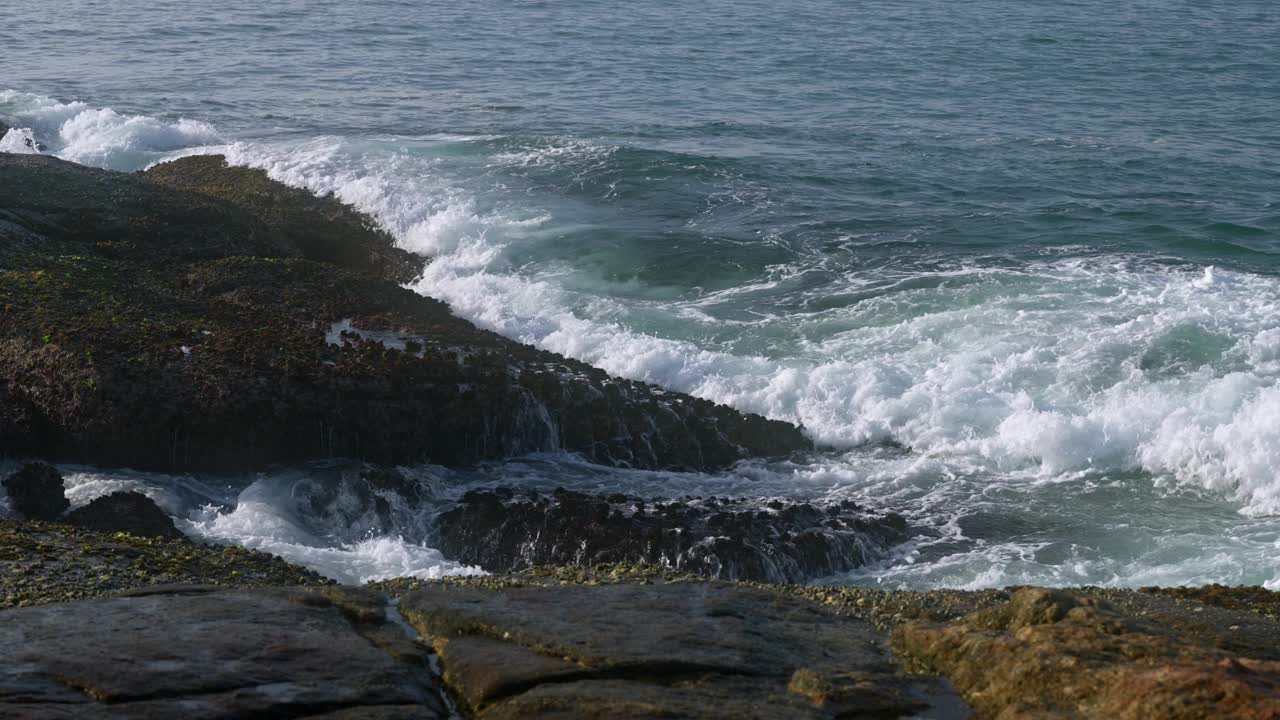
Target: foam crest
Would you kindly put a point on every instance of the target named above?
(1060, 369)
(97, 136)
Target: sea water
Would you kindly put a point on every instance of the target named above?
(1015, 267)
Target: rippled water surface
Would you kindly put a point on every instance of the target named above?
(1014, 265)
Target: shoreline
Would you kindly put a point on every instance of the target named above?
(497, 642)
(182, 319)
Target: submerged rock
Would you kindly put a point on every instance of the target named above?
(130, 512)
(722, 538)
(36, 491)
(184, 320)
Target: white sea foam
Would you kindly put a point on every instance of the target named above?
(271, 514)
(266, 526)
(95, 136)
(19, 141)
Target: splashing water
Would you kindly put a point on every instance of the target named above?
(1046, 334)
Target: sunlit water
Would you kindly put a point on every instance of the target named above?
(1014, 266)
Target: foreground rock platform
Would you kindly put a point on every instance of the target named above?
(198, 317)
(697, 649)
(199, 654)
(635, 642)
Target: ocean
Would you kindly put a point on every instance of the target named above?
(1014, 266)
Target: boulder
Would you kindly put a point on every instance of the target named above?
(36, 491)
(777, 541)
(129, 512)
(176, 321)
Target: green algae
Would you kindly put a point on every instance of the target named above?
(49, 562)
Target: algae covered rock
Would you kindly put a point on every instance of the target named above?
(1070, 654)
(130, 512)
(36, 491)
(54, 562)
(205, 318)
(316, 228)
(778, 541)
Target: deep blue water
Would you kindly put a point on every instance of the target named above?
(1034, 243)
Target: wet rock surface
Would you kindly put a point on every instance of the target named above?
(777, 541)
(129, 512)
(196, 653)
(183, 320)
(35, 490)
(621, 641)
(1071, 654)
(690, 650)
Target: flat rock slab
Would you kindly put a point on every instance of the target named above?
(680, 650)
(199, 653)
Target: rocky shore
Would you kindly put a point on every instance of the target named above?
(202, 318)
(184, 635)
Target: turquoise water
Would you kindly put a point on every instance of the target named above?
(1013, 265)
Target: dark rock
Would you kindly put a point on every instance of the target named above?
(197, 654)
(785, 542)
(130, 512)
(689, 650)
(36, 491)
(316, 228)
(196, 329)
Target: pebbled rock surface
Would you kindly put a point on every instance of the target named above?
(36, 492)
(681, 650)
(1059, 654)
(128, 512)
(203, 318)
(49, 562)
(713, 537)
(197, 653)
(618, 641)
